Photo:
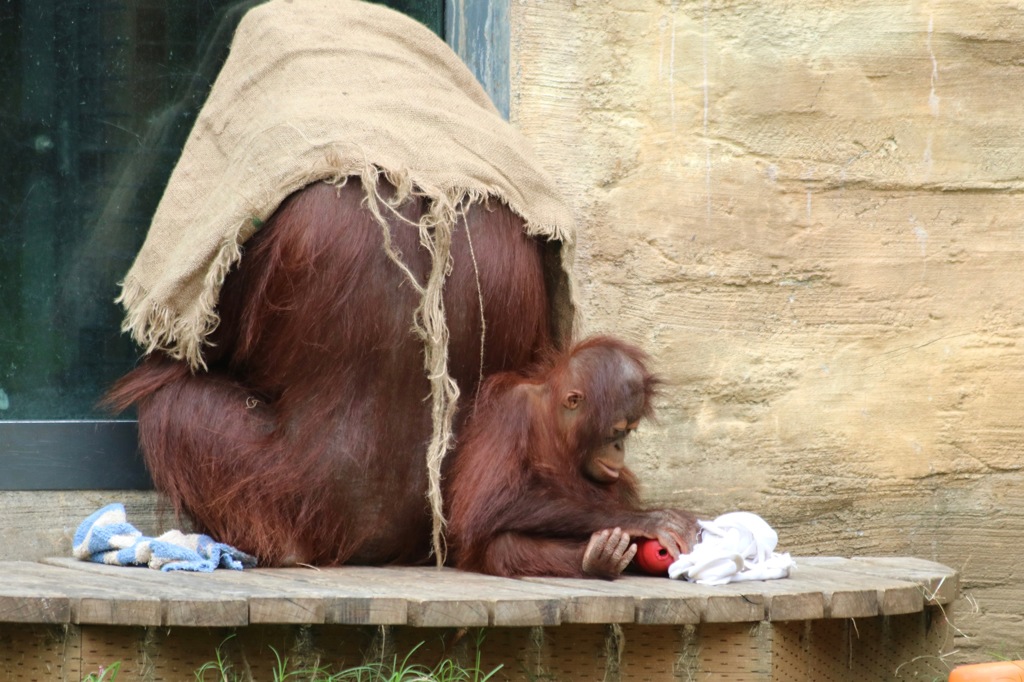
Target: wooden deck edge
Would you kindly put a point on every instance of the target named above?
(62, 590)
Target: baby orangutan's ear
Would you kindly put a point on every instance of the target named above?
(572, 400)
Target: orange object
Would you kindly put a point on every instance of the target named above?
(652, 558)
(998, 671)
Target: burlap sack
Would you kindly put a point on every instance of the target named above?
(322, 90)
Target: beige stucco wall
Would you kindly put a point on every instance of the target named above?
(810, 213)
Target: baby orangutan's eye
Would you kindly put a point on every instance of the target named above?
(619, 434)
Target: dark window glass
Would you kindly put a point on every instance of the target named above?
(428, 12)
(98, 98)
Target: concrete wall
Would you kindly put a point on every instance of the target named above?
(810, 213)
(38, 524)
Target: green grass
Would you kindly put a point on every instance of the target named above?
(220, 669)
(108, 674)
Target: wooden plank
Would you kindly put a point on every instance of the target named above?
(102, 599)
(659, 600)
(273, 600)
(432, 601)
(542, 601)
(426, 597)
(513, 603)
(591, 601)
(895, 595)
(686, 599)
(793, 598)
(853, 595)
(729, 608)
(662, 601)
(428, 602)
(28, 598)
(507, 602)
(354, 599)
(841, 598)
(808, 646)
(93, 600)
(941, 584)
(185, 599)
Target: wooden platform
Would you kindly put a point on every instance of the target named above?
(840, 616)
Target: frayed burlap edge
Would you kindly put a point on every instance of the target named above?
(156, 327)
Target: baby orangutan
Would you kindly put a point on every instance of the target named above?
(539, 485)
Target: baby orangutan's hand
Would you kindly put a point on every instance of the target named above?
(608, 553)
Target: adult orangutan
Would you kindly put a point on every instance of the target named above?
(539, 484)
(304, 438)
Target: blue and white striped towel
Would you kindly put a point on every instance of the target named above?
(106, 537)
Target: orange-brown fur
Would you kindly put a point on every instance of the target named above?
(305, 440)
(520, 502)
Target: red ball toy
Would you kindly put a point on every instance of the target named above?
(651, 557)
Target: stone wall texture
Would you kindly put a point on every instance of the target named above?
(811, 215)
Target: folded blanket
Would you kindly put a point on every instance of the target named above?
(106, 537)
(734, 547)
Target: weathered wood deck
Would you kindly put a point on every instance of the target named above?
(68, 591)
(89, 598)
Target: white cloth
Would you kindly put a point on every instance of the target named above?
(734, 547)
